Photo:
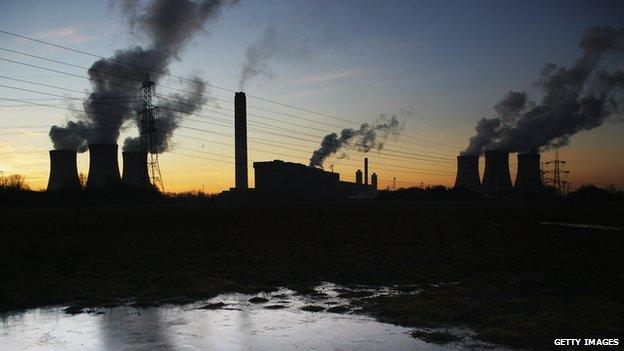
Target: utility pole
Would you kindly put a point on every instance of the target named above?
(147, 129)
(557, 183)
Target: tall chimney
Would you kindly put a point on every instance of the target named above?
(468, 173)
(103, 167)
(374, 181)
(135, 173)
(63, 171)
(496, 178)
(529, 175)
(365, 170)
(240, 136)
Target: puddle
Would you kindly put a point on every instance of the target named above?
(583, 226)
(226, 322)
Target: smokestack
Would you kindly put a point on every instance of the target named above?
(135, 173)
(374, 181)
(240, 136)
(358, 177)
(529, 176)
(366, 170)
(468, 173)
(496, 178)
(63, 171)
(103, 167)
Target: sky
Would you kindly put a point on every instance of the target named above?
(439, 66)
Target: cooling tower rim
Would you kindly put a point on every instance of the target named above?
(496, 152)
(465, 157)
(107, 144)
(65, 151)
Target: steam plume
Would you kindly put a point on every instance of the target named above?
(574, 99)
(168, 25)
(271, 46)
(364, 139)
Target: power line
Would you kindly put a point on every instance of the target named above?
(411, 170)
(201, 82)
(416, 156)
(160, 96)
(261, 141)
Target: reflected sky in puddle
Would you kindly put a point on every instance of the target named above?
(583, 226)
(236, 325)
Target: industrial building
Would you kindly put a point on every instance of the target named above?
(287, 180)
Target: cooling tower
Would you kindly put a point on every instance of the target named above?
(240, 136)
(135, 173)
(529, 176)
(63, 171)
(468, 173)
(103, 167)
(358, 177)
(496, 178)
(374, 181)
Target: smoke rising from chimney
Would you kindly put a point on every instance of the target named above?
(271, 46)
(574, 99)
(364, 139)
(168, 25)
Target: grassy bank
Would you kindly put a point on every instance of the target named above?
(509, 278)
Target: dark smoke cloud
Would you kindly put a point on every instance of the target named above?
(364, 139)
(168, 25)
(574, 99)
(171, 111)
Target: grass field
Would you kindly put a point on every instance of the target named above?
(487, 265)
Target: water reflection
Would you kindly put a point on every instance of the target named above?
(131, 329)
(237, 325)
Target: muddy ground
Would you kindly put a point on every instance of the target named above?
(487, 265)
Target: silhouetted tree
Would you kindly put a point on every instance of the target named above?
(14, 182)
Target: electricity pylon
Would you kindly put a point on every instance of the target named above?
(557, 183)
(148, 116)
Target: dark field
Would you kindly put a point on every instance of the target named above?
(495, 269)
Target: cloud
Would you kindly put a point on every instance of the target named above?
(327, 77)
(68, 35)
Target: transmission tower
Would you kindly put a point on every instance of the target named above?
(148, 116)
(556, 171)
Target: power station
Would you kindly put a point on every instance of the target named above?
(280, 179)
